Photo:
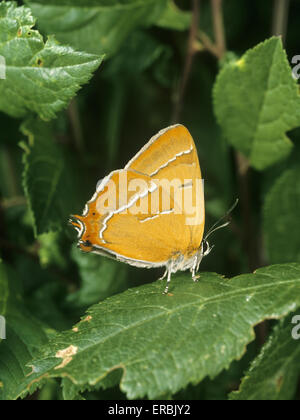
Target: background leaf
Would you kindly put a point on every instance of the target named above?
(174, 18)
(273, 376)
(257, 102)
(40, 77)
(47, 185)
(95, 26)
(49, 250)
(24, 336)
(100, 277)
(281, 221)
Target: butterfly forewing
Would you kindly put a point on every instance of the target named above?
(171, 158)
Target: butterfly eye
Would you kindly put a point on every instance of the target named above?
(85, 246)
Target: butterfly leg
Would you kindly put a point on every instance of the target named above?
(169, 272)
(164, 275)
(195, 277)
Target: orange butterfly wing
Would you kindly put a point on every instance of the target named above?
(147, 225)
(172, 155)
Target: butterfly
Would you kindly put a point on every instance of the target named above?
(152, 212)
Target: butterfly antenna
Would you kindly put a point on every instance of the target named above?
(217, 225)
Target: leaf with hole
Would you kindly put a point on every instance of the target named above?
(155, 344)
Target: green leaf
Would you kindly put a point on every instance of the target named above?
(162, 343)
(139, 53)
(281, 217)
(24, 335)
(101, 278)
(218, 388)
(274, 374)
(95, 26)
(44, 292)
(50, 250)
(46, 181)
(256, 102)
(174, 18)
(50, 392)
(40, 77)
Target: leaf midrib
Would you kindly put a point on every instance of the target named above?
(94, 60)
(214, 299)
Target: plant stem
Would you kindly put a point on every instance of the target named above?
(208, 44)
(9, 166)
(114, 121)
(191, 51)
(242, 163)
(9, 249)
(8, 246)
(4, 253)
(16, 201)
(73, 113)
(218, 27)
(280, 18)
(249, 239)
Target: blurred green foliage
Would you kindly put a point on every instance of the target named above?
(88, 82)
